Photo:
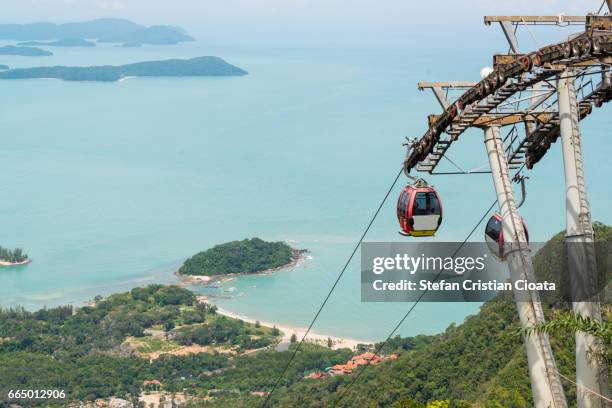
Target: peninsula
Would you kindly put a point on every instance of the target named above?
(199, 66)
(11, 257)
(24, 51)
(241, 257)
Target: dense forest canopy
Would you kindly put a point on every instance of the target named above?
(84, 351)
(246, 256)
(13, 255)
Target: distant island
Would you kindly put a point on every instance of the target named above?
(65, 42)
(129, 44)
(247, 256)
(199, 66)
(156, 35)
(4, 67)
(24, 51)
(110, 30)
(10, 257)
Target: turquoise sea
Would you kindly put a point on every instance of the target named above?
(109, 186)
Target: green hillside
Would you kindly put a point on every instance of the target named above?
(481, 361)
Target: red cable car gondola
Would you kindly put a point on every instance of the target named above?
(494, 236)
(419, 210)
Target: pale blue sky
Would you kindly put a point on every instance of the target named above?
(317, 11)
(299, 22)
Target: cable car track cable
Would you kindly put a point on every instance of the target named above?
(397, 326)
(299, 345)
(590, 391)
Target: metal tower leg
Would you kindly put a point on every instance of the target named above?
(545, 382)
(591, 374)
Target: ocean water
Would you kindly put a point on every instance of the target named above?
(109, 186)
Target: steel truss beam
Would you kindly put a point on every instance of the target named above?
(499, 86)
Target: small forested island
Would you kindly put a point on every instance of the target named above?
(3, 67)
(64, 42)
(10, 257)
(247, 256)
(199, 66)
(24, 51)
(111, 30)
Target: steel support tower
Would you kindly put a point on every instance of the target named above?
(591, 372)
(546, 385)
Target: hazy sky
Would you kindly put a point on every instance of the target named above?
(342, 21)
(342, 11)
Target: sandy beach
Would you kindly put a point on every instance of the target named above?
(6, 263)
(288, 331)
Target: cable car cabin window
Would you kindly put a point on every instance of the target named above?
(493, 229)
(426, 204)
(404, 204)
(401, 205)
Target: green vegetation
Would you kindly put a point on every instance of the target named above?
(150, 344)
(88, 351)
(567, 322)
(3, 67)
(225, 331)
(64, 42)
(199, 66)
(480, 361)
(24, 51)
(104, 30)
(246, 256)
(13, 255)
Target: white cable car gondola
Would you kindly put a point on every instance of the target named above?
(494, 236)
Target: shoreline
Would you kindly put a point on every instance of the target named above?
(298, 256)
(288, 331)
(7, 263)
